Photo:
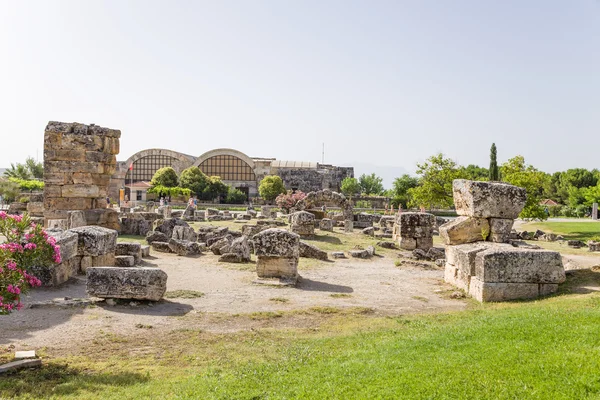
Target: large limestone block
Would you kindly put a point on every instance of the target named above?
(303, 223)
(184, 233)
(462, 256)
(495, 291)
(95, 240)
(277, 267)
(311, 251)
(465, 230)
(184, 247)
(500, 229)
(276, 242)
(67, 241)
(129, 249)
(138, 283)
(488, 199)
(241, 248)
(413, 224)
(519, 265)
(167, 226)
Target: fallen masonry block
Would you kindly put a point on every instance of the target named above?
(140, 283)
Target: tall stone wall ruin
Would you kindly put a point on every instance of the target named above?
(78, 163)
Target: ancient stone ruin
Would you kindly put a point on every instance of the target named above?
(414, 230)
(326, 197)
(303, 223)
(277, 252)
(78, 163)
(139, 283)
(479, 258)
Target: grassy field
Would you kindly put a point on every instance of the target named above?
(575, 230)
(524, 350)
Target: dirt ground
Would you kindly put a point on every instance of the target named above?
(370, 286)
(232, 302)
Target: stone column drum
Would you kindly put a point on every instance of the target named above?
(277, 253)
(303, 223)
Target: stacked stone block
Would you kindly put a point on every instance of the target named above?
(96, 246)
(414, 230)
(477, 258)
(78, 163)
(277, 253)
(303, 223)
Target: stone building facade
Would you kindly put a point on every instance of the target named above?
(235, 168)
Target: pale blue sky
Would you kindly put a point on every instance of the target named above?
(382, 83)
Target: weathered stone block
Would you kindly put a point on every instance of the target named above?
(456, 277)
(407, 243)
(67, 241)
(145, 251)
(124, 261)
(162, 247)
(326, 224)
(465, 230)
(95, 240)
(130, 249)
(493, 291)
(75, 219)
(424, 243)
(138, 283)
(303, 223)
(103, 260)
(519, 266)
(276, 242)
(277, 267)
(488, 199)
(310, 251)
(500, 229)
(155, 236)
(184, 247)
(184, 233)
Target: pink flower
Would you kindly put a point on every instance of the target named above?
(11, 265)
(19, 306)
(2, 214)
(30, 246)
(13, 289)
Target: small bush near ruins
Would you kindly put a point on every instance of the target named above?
(287, 201)
(26, 245)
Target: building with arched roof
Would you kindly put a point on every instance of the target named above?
(235, 168)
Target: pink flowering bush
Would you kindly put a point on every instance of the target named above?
(25, 245)
(287, 201)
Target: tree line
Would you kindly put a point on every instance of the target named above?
(574, 190)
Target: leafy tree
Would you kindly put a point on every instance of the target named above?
(172, 191)
(517, 173)
(435, 182)
(270, 187)
(35, 168)
(166, 177)
(9, 190)
(215, 188)
(475, 173)
(350, 187)
(18, 171)
(194, 179)
(371, 184)
(400, 190)
(235, 196)
(575, 178)
(493, 171)
(591, 195)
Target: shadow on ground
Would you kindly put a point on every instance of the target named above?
(581, 281)
(316, 286)
(63, 380)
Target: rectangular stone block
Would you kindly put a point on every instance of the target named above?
(407, 243)
(500, 229)
(488, 199)
(95, 240)
(80, 190)
(519, 266)
(494, 291)
(465, 230)
(85, 262)
(52, 191)
(138, 283)
(64, 203)
(104, 260)
(67, 241)
(77, 166)
(64, 155)
(424, 243)
(548, 288)
(276, 267)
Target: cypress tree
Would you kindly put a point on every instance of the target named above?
(493, 164)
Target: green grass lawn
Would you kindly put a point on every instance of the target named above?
(575, 230)
(547, 349)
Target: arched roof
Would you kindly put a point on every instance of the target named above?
(224, 152)
(184, 158)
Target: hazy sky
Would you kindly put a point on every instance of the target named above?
(381, 83)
